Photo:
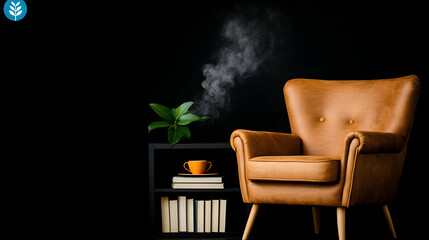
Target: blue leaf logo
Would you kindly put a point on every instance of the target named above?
(15, 10)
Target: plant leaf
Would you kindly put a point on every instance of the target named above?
(14, 3)
(170, 134)
(158, 124)
(11, 13)
(12, 8)
(163, 112)
(173, 112)
(19, 8)
(18, 3)
(187, 118)
(174, 136)
(18, 13)
(184, 131)
(182, 109)
(207, 118)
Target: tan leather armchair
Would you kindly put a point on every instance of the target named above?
(347, 147)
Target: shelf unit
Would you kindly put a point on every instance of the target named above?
(162, 168)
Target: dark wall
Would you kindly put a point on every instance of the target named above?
(326, 40)
(321, 39)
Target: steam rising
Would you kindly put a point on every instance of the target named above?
(249, 39)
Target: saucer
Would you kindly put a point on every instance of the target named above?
(198, 175)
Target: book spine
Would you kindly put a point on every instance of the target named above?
(197, 185)
(182, 213)
(165, 215)
(215, 215)
(200, 216)
(174, 223)
(222, 215)
(195, 215)
(179, 179)
(190, 215)
(208, 216)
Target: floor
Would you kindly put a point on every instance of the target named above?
(365, 222)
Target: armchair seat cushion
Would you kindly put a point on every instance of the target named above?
(296, 168)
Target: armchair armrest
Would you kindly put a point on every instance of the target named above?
(259, 143)
(248, 144)
(377, 142)
(371, 166)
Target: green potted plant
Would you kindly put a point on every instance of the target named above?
(176, 120)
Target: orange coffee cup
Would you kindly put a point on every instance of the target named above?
(197, 166)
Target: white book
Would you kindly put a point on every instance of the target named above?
(222, 215)
(181, 179)
(200, 216)
(208, 216)
(215, 215)
(182, 213)
(190, 215)
(165, 215)
(195, 215)
(197, 186)
(174, 223)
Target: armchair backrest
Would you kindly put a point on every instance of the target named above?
(323, 112)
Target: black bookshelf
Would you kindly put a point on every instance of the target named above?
(166, 161)
(169, 190)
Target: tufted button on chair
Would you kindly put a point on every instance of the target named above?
(347, 147)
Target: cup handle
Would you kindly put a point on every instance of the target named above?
(187, 169)
(209, 166)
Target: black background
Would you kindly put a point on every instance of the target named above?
(77, 79)
(323, 39)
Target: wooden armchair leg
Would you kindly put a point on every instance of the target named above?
(389, 221)
(316, 219)
(341, 223)
(250, 221)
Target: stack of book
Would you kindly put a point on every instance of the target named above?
(191, 215)
(203, 182)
